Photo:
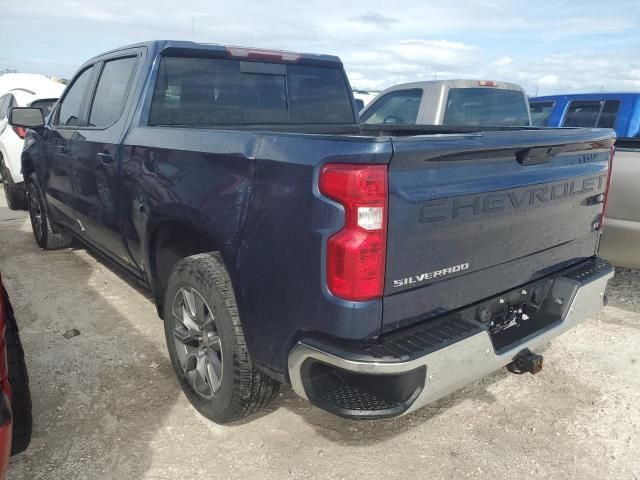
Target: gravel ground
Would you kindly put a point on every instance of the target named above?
(106, 404)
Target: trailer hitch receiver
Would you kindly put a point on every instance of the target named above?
(530, 362)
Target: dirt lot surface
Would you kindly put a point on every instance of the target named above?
(106, 404)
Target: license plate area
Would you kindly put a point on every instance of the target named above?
(520, 314)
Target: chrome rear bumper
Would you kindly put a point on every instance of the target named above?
(454, 366)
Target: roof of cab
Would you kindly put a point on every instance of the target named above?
(586, 96)
(164, 46)
(456, 83)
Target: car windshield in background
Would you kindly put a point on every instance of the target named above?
(400, 106)
(540, 113)
(45, 105)
(486, 106)
(206, 92)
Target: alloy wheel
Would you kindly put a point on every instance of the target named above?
(197, 342)
(35, 211)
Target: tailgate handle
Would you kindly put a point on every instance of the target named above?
(536, 155)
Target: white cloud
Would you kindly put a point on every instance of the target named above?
(503, 61)
(440, 52)
(548, 81)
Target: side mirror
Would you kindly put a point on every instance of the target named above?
(27, 117)
(359, 104)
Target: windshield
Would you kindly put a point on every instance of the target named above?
(399, 106)
(486, 106)
(203, 91)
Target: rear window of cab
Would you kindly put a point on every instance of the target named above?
(486, 106)
(209, 92)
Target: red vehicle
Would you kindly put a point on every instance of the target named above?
(15, 399)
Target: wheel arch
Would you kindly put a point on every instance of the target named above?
(27, 165)
(168, 241)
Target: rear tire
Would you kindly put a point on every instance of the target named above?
(16, 195)
(207, 345)
(19, 381)
(48, 236)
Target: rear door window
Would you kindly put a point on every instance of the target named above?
(400, 106)
(486, 106)
(541, 113)
(111, 93)
(70, 111)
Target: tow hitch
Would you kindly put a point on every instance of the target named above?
(530, 362)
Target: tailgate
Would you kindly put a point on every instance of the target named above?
(474, 215)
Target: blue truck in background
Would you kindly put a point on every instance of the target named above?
(374, 268)
(620, 111)
(620, 242)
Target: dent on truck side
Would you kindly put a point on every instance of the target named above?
(198, 180)
(282, 291)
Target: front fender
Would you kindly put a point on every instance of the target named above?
(34, 155)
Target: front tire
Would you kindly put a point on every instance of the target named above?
(207, 345)
(47, 235)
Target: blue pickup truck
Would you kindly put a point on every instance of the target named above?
(620, 242)
(620, 111)
(374, 268)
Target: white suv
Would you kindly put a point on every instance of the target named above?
(20, 90)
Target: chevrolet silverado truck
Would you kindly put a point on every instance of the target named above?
(620, 242)
(373, 268)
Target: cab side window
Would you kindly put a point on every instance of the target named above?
(601, 114)
(582, 114)
(70, 110)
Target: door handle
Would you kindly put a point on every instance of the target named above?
(105, 157)
(62, 149)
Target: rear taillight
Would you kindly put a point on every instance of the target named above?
(487, 83)
(606, 189)
(20, 131)
(356, 254)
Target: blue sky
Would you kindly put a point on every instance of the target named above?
(549, 47)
